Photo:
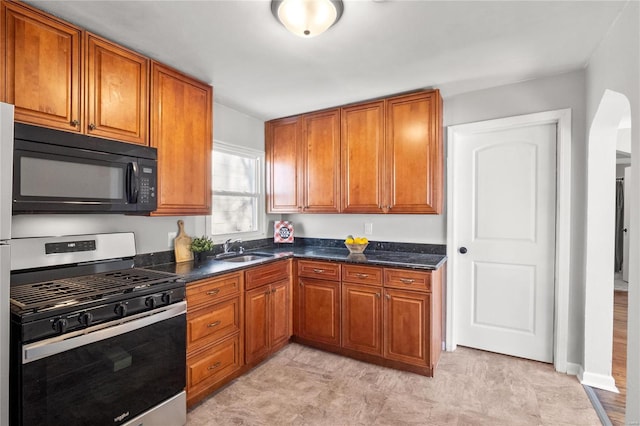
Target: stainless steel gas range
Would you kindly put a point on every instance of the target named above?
(94, 341)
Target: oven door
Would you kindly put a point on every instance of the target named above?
(105, 375)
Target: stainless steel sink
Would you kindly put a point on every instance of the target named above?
(244, 258)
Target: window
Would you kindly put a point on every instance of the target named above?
(238, 200)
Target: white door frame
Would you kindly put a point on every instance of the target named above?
(562, 119)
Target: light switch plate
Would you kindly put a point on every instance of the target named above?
(368, 228)
(170, 237)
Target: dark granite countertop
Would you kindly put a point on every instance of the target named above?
(212, 267)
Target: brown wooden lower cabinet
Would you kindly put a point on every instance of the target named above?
(267, 319)
(387, 316)
(362, 318)
(319, 310)
(267, 309)
(406, 326)
(210, 367)
(215, 334)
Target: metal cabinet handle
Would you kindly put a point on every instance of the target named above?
(273, 290)
(378, 295)
(213, 324)
(318, 271)
(301, 283)
(214, 366)
(407, 280)
(75, 123)
(387, 296)
(213, 292)
(362, 275)
(92, 126)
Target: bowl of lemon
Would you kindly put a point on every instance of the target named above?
(356, 244)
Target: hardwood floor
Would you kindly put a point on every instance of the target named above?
(614, 403)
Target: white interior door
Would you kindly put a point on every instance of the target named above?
(505, 195)
(626, 212)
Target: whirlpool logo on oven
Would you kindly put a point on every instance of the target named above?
(121, 417)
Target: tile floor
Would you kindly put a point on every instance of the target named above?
(304, 386)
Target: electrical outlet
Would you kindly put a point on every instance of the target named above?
(368, 228)
(170, 237)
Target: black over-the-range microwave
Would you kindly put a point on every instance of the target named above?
(62, 172)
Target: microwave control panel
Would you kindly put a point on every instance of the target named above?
(147, 184)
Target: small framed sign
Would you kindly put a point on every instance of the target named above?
(283, 232)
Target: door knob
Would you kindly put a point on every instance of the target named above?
(462, 250)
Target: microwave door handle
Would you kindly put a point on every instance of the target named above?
(132, 182)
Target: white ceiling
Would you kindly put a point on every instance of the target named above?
(378, 48)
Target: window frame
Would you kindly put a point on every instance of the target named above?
(259, 156)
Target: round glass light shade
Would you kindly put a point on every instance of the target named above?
(307, 18)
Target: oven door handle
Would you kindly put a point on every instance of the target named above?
(55, 345)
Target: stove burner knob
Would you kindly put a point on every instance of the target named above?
(166, 298)
(86, 318)
(150, 302)
(121, 309)
(60, 325)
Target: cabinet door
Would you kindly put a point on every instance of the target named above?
(257, 314)
(42, 68)
(280, 312)
(284, 157)
(362, 318)
(321, 135)
(406, 326)
(181, 116)
(362, 143)
(319, 310)
(117, 92)
(414, 153)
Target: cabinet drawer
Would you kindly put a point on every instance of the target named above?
(211, 324)
(214, 364)
(266, 274)
(321, 270)
(410, 280)
(209, 291)
(362, 274)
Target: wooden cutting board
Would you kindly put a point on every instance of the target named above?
(182, 245)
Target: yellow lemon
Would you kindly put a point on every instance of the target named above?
(364, 240)
(349, 241)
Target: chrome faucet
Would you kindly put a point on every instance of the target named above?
(227, 245)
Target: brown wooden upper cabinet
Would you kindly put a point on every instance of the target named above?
(390, 158)
(100, 89)
(284, 159)
(303, 156)
(321, 160)
(42, 69)
(117, 92)
(362, 141)
(181, 129)
(413, 153)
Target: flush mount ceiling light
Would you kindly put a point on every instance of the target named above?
(307, 18)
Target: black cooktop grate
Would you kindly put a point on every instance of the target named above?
(95, 286)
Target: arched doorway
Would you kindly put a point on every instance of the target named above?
(600, 223)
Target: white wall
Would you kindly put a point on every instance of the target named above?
(615, 66)
(151, 232)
